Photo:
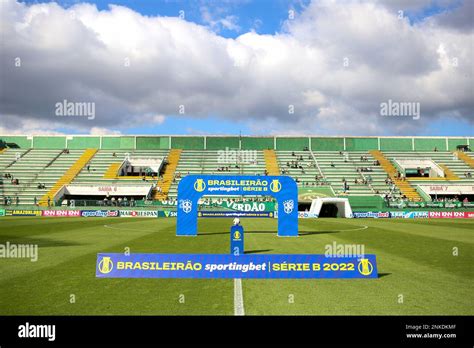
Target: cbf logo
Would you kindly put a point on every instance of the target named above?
(199, 185)
(237, 235)
(365, 267)
(275, 186)
(186, 205)
(288, 206)
(106, 265)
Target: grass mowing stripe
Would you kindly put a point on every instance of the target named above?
(64, 246)
(47, 291)
(419, 267)
(455, 232)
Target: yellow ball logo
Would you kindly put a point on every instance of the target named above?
(237, 235)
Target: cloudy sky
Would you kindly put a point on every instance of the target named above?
(223, 67)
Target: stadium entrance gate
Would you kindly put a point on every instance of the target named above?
(193, 187)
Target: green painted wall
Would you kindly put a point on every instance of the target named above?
(122, 143)
(395, 144)
(292, 144)
(153, 143)
(327, 144)
(361, 144)
(220, 143)
(187, 143)
(84, 143)
(453, 142)
(428, 144)
(257, 143)
(49, 142)
(21, 141)
(366, 203)
(247, 143)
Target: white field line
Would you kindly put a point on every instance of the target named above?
(238, 298)
(353, 229)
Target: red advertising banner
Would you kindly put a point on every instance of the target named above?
(450, 214)
(62, 213)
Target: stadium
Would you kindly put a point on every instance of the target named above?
(410, 202)
(179, 171)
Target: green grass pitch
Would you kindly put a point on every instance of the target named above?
(415, 262)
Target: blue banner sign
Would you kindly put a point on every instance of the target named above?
(231, 214)
(100, 213)
(237, 240)
(193, 187)
(263, 266)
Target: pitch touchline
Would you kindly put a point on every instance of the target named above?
(238, 298)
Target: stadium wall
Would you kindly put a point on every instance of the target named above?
(396, 144)
(366, 203)
(153, 143)
(263, 143)
(219, 143)
(361, 144)
(49, 142)
(292, 144)
(188, 143)
(327, 144)
(281, 143)
(83, 142)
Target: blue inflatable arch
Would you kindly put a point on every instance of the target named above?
(192, 187)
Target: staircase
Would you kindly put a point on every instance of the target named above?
(168, 176)
(271, 163)
(68, 176)
(448, 174)
(468, 160)
(403, 185)
(111, 172)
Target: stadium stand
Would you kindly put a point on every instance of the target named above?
(34, 168)
(68, 175)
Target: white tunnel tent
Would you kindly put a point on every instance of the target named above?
(331, 207)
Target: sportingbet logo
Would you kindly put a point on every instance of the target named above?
(370, 214)
(37, 331)
(99, 213)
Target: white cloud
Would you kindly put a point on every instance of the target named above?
(137, 69)
(218, 23)
(104, 131)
